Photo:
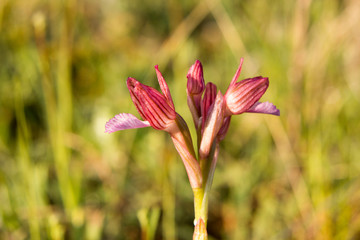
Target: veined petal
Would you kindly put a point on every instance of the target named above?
(164, 87)
(156, 109)
(195, 76)
(264, 107)
(237, 74)
(242, 95)
(151, 104)
(124, 121)
(132, 85)
(208, 100)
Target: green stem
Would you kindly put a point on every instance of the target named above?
(201, 195)
(198, 201)
(209, 178)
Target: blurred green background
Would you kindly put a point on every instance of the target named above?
(63, 71)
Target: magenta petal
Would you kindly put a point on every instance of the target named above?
(164, 87)
(264, 107)
(124, 121)
(237, 74)
(195, 76)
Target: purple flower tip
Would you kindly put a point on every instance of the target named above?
(124, 121)
(264, 107)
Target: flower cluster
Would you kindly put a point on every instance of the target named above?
(211, 112)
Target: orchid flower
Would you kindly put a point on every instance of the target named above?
(243, 96)
(211, 112)
(158, 111)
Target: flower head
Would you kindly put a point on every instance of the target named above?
(211, 113)
(158, 111)
(243, 96)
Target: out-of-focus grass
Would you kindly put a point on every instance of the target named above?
(63, 66)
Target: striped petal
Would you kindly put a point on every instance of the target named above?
(207, 101)
(164, 87)
(195, 76)
(237, 74)
(151, 104)
(241, 96)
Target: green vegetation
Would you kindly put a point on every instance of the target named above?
(63, 71)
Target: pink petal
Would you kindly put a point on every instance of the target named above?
(212, 125)
(224, 128)
(241, 96)
(195, 76)
(208, 100)
(164, 87)
(264, 107)
(237, 74)
(124, 121)
(151, 104)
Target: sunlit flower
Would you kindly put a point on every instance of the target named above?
(158, 111)
(211, 112)
(243, 96)
(156, 108)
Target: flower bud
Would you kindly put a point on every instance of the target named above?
(194, 90)
(195, 83)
